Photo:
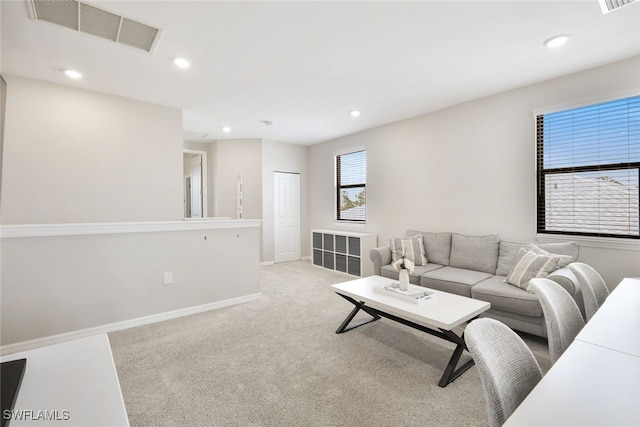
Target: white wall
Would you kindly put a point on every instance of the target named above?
(65, 284)
(73, 155)
(256, 160)
(469, 168)
(284, 157)
(234, 157)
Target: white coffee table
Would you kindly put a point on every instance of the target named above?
(436, 316)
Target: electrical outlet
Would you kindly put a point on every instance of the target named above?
(168, 278)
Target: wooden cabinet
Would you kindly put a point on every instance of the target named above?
(343, 251)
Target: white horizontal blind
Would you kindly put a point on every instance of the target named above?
(351, 178)
(611, 5)
(588, 170)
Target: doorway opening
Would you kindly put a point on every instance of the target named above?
(195, 183)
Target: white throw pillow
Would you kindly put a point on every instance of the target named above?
(563, 260)
(531, 265)
(412, 248)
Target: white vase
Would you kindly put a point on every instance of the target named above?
(404, 280)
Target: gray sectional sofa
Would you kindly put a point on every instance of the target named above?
(476, 267)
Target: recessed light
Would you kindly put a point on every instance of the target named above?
(355, 113)
(556, 41)
(73, 74)
(182, 62)
(226, 129)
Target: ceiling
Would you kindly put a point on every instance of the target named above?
(305, 65)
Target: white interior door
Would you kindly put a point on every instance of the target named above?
(196, 187)
(286, 216)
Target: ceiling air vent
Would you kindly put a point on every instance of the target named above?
(81, 16)
(611, 5)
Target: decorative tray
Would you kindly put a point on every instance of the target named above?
(414, 294)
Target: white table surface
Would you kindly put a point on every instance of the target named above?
(588, 386)
(77, 376)
(596, 381)
(443, 310)
(616, 324)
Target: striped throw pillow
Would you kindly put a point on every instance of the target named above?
(410, 247)
(529, 266)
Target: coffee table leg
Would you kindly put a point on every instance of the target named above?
(450, 372)
(358, 306)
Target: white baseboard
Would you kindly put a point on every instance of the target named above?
(266, 263)
(118, 326)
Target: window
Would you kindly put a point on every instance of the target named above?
(588, 168)
(351, 178)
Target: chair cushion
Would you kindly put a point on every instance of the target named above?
(437, 245)
(479, 253)
(505, 297)
(412, 248)
(453, 280)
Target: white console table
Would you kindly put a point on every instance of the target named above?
(596, 381)
(76, 380)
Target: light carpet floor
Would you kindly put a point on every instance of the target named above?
(277, 361)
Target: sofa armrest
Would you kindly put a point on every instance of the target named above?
(380, 256)
(565, 278)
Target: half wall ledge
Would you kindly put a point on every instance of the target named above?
(83, 229)
(62, 281)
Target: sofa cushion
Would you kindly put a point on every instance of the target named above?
(453, 280)
(410, 247)
(507, 257)
(505, 297)
(529, 324)
(414, 278)
(479, 253)
(531, 265)
(436, 245)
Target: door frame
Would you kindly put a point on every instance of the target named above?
(205, 179)
(275, 218)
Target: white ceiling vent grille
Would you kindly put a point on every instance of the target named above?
(611, 5)
(81, 16)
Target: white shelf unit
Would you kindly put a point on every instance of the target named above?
(343, 251)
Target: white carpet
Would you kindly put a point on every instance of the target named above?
(279, 362)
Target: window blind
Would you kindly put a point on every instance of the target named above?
(351, 176)
(588, 167)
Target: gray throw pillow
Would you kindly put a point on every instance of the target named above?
(412, 248)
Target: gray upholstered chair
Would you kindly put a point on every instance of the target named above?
(594, 289)
(562, 316)
(508, 368)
